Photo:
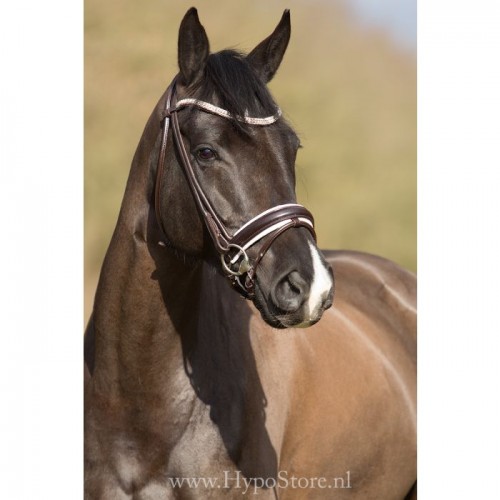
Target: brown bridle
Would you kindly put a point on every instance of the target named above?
(232, 248)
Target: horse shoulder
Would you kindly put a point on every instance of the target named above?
(351, 377)
(377, 287)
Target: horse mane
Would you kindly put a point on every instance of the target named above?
(232, 82)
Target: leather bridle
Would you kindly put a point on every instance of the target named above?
(271, 223)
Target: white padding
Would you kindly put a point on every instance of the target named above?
(268, 211)
(271, 229)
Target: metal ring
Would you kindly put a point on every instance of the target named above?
(241, 252)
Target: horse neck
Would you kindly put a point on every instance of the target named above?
(151, 308)
(163, 328)
(129, 311)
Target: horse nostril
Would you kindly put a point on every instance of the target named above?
(290, 292)
(328, 301)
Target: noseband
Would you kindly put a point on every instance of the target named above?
(236, 264)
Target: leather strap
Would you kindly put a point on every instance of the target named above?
(215, 227)
(247, 233)
(161, 158)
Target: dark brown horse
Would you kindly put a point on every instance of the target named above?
(192, 391)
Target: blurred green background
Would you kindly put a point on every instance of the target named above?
(348, 89)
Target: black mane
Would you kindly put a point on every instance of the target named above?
(230, 81)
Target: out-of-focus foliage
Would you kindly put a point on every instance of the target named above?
(350, 94)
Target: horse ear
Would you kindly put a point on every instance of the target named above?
(193, 48)
(266, 57)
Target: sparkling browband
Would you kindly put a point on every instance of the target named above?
(211, 108)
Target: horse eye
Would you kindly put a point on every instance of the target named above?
(206, 154)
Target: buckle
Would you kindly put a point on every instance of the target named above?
(235, 266)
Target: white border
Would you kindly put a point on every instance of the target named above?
(459, 249)
(41, 249)
(41, 205)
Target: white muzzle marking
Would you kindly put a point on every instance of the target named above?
(321, 285)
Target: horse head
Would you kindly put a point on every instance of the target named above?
(225, 189)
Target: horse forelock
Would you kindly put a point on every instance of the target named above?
(230, 81)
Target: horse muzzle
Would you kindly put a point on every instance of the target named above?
(298, 296)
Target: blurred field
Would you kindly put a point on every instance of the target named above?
(349, 92)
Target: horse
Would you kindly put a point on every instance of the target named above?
(218, 362)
